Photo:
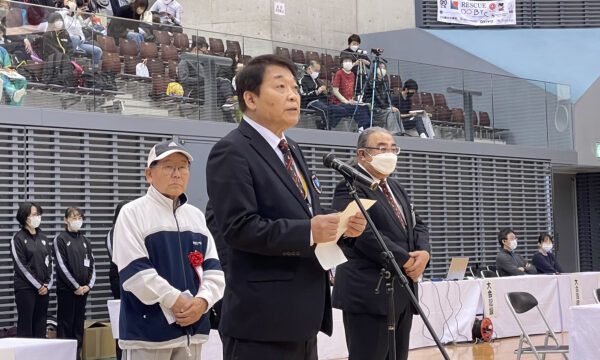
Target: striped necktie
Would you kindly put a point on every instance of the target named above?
(392, 202)
(290, 167)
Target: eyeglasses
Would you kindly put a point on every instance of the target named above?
(383, 149)
(170, 169)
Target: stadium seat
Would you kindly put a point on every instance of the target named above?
(168, 53)
(442, 113)
(181, 41)
(327, 61)
(127, 48)
(148, 50)
(159, 85)
(162, 37)
(111, 62)
(484, 119)
(416, 102)
(234, 45)
(129, 64)
(475, 120)
(298, 56)
(14, 18)
(440, 100)
(173, 69)
(426, 98)
(284, 52)
(337, 61)
(216, 46)
(107, 44)
(313, 55)
(155, 66)
(395, 83)
(458, 116)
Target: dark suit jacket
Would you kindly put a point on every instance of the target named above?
(356, 280)
(276, 290)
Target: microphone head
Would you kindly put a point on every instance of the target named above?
(328, 159)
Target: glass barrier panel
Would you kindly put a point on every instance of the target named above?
(517, 116)
(559, 116)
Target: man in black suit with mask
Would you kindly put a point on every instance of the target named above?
(406, 236)
(266, 203)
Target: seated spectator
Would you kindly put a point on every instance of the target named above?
(128, 24)
(360, 60)
(313, 95)
(73, 22)
(225, 76)
(169, 11)
(342, 98)
(199, 47)
(508, 263)
(410, 121)
(384, 114)
(11, 82)
(544, 260)
(190, 76)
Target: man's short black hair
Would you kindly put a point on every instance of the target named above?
(25, 210)
(543, 237)
(503, 235)
(200, 44)
(251, 76)
(410, 84)
(345, 56)
(352, 38)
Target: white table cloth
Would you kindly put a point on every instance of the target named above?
(584, 321)
(545, 290)
(28, 349)
(589, 282)
(450, 307)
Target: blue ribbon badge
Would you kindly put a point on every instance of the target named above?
(316, 184)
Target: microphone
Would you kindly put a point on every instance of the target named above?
(348, 171)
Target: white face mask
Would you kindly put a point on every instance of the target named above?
(139, 11)
(58, 25)
(382, 72)
(75, 225)
(35, 221)
(547, 247)
(384, 163)
(314, 74)
(347, 65)
(72, 7)
(512, 244)
(354, 48)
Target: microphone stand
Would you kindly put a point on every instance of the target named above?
(386, 274)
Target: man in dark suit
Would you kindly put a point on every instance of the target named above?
(266, 204)
(406, 236)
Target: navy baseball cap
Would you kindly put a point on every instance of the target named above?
(164, 149)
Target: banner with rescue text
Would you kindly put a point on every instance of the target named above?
(477, 13)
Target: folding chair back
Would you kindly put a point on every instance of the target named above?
(487, 274)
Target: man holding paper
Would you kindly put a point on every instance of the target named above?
(168, 266)
(266, 204)
(406, 236)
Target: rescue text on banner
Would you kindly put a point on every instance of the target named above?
(477, 13)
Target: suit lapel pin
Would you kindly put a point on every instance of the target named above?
(316, 184)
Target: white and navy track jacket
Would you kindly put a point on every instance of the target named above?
(152, 240)
(32, 258)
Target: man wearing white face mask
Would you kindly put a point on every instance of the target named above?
(544, 260)
(76, 276)
(509, 263)
(405, 234)
(313, 95)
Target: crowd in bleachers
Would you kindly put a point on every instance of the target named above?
(85, 47)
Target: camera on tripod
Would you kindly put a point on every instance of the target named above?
(376, 51)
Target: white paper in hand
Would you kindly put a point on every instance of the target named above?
(169, 315)
(329, 254)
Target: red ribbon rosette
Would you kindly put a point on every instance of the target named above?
(196, 259)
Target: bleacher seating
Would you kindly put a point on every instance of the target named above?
(484, 118)
(234, 45)
(458, 116)
(168, 53)
(127, 48)
(111, 61)
(313, 55)
(284, 52)
(148, 50)
(155, 66)
(14, 18)
(107, 44)
(129, 64)
(181, 41)
(216, 46)
(298, 56)
(395, 83)
(162, 37)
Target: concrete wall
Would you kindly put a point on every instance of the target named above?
(586, 114)
(314, 23)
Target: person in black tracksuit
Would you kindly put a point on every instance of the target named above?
(113, 272)
(32, 259)
(76, 276)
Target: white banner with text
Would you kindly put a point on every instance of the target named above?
(477, 13)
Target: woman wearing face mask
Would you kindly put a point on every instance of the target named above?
(544, 260)
(128, 26)
(76, 276)
(32, 259)
(509, 263)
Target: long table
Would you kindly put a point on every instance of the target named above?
(451, 308)
(27, 349)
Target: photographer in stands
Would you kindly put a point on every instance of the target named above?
(508, 263)
(360, 60)
(384, 114)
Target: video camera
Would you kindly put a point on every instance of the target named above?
(376, 51)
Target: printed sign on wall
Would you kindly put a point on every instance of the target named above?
(477, 13)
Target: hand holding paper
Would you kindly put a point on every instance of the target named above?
(329, 254)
